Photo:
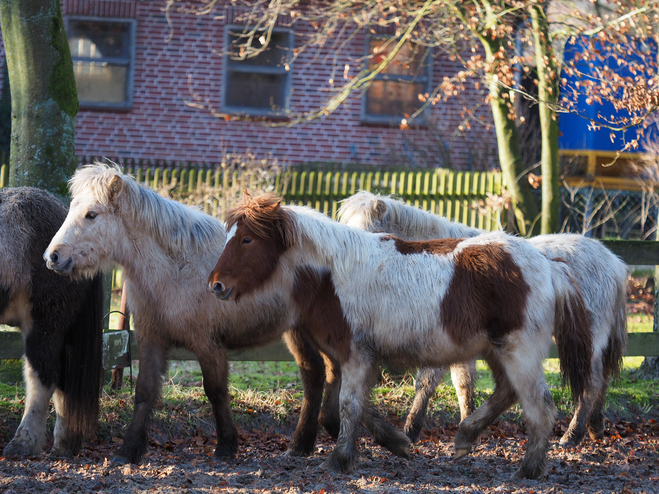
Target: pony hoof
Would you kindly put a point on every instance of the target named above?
(528, 472)
(19, 448)
(296, 453)
(412, 433)
(460, 452)
(62, 452)
(569, 441)
(225, 452)
(120, 460)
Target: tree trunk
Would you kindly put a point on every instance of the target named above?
(44, 98)
(510, 156)
(547, 94)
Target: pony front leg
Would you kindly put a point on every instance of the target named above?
(153, 363)
(463, 376)
(501, 400)
(312, 370)
(330, 417)
(215, 370)
(427, 379)
(355, 387)
(30, 437)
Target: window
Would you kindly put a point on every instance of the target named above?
(394, 94)
(260, 85)
(103, 53)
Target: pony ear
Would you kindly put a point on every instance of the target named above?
(379, 208)
(116, 185)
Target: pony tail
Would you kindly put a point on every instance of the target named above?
(82, 365)
(617, 344)
(572, 331)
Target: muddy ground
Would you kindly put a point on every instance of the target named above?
(626, 460)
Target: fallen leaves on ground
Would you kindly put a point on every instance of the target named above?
(626, 460)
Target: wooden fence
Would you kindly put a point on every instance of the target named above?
(444, 192)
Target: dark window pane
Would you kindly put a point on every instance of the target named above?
(390, 98)
(91, 39)
(408, 61)
(100, 83)
(263, 91)
(275, 55)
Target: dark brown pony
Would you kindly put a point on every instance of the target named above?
(369, 298)
(61, 323)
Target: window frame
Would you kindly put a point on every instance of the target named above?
(369, 118)
(116, 61)
(255, 69)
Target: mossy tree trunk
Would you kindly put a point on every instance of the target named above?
(44, 99)
(548, 95)
(508, 145)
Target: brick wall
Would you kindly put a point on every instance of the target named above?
(162, 126)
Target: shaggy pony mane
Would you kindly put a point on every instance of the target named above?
(173, 224)
(265, 217)
(412, 223)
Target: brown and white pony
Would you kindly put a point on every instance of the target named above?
(600, 275)
(410, 304)
(166, 250)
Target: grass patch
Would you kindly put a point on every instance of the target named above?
(639, 323)
(269, 394)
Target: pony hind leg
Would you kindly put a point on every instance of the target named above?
(595, 424)
(31, 436)
(526, 376)
(312, 371)
(66, 442)
(215, 371)
(585, 406)
(153, 362)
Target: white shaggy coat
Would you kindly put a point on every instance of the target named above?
(600, 275)
(166, 251)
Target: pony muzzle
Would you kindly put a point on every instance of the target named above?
(55, 262)
(220, 290)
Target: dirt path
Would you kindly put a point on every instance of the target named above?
(627, 460)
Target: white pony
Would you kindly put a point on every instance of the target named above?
(600, 275)
(166, 250)
(427, 303)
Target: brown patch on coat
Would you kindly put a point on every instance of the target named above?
(488, 294)
(321, 311)
(559, 259)
(439, 246)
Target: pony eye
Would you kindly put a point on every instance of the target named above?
(91, 215)
(247, 240)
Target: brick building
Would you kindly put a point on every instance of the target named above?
(148, 88)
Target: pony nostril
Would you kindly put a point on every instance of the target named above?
(218, 287)
(54, 257)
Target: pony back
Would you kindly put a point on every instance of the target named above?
(385, 214)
